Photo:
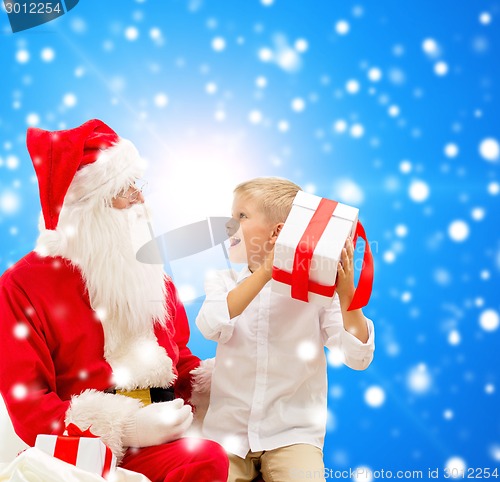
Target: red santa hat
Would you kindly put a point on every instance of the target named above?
(107, 163)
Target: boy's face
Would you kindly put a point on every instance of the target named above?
(251, 242)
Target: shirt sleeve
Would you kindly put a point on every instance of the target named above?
(213, 319)
(27, 373)
(357, 355)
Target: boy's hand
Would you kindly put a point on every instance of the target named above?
(345, 274)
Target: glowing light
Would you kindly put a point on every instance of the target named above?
(419, 379)
(48, 54)
(478, 214)
(255, 117)
(389, 257)
(406, 297)
(131, 33)
(342, 27)
(161, 100)
(220, 115)
(430, 47)
(301, 45)
(419, 191)
(288, 59)
(485, 18)
(393, 111)
(401, 230)
(454, 337)
(265, 54)
(230, 443)
(451, 150)
(458, 231)
(283, 126)
(32, 119)
(352, 86)
(9, 202)
(375, 396)
(357, 131)
(489, 320)
(210, 158)
(307, 351)
(22, 56)
(78, 25)
(362, 474)
(448, 414)
(21, 331)
(261, 82)
(218, 44)
(340, 126)
(489, 149)
(405, 167)
(493, 188)
(348, 191)
(70, 100)
(155, 33)
(455, 467)
(298, 104)
(12, 162)
(441, 68)
(495, 452)
(335, 357)
(19, 391)
(121, 376)
(187, 292)
(375, 74)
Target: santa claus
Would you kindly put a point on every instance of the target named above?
(91, 336)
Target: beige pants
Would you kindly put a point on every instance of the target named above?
(285, 464)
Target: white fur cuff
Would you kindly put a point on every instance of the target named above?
(105, 414)
(200, 394)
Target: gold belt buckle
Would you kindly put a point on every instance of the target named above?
(144, 395)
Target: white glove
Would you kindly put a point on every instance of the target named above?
(157, 424)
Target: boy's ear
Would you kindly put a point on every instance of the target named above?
(276, 230)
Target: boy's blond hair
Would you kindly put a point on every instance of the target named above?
(274, 196)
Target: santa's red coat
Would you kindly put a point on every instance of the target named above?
(52, 344)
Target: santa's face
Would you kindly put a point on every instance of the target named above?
(128, 197)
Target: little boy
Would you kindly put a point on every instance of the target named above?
(269, 387)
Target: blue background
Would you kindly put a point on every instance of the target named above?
(206, 90)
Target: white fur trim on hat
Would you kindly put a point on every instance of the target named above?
(114, 170)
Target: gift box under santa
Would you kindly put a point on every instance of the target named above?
(86, 453)
(309, 248)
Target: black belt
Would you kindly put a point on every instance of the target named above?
(156, 394)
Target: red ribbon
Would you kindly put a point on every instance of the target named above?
(299, 280)
(364, 290)
(75, 431)
(66, 448)
(306, 246)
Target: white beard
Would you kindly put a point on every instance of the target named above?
(103, 246)
(129, 297)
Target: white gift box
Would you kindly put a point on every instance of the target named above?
(87, 453)
(329, 239)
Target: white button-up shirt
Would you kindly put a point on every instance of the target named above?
(269, 385)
